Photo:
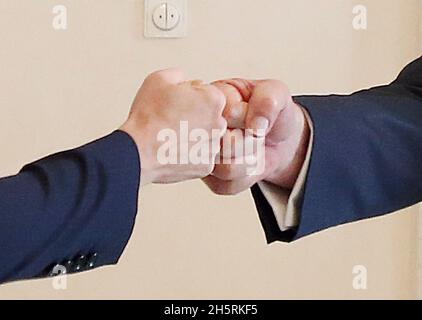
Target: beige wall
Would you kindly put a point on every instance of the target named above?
(61, 89)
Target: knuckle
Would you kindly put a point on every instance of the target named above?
(283, 87)
(230, 114)
(155, 76)
(268, 104)
(215, 96)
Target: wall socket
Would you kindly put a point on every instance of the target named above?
(166, 18)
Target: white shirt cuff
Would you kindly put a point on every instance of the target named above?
(285, 204)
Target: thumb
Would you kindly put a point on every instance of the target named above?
(269, 98)
(290, 123)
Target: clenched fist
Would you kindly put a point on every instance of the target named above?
(172, 119)
(266, 109)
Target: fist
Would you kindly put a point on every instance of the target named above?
(175, 124)
(268, 117)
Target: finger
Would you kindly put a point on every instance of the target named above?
(244, 87)
(236, 92)
(236, 144)
(235, 114)
(268, 99)
(215, 96)
(233, 97)
(237, 168)
(229, 188)
(228, 172)
(289, 122)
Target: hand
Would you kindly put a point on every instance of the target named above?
(265, 105)
(162, 109)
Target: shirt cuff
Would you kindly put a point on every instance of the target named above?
(285, 203)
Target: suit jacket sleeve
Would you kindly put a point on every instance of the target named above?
(366, 157)
(75, 209)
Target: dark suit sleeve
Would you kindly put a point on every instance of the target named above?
(366, 158)
(75, 209)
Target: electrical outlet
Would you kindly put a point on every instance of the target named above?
(165, 18)
(173, 17)
(159, 17)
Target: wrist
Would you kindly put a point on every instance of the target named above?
(147, 156)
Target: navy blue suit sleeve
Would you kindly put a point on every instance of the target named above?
(366, 159)
(79, 204)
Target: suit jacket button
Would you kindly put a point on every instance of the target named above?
(69, 266)
(92, 260)
(80, 263)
